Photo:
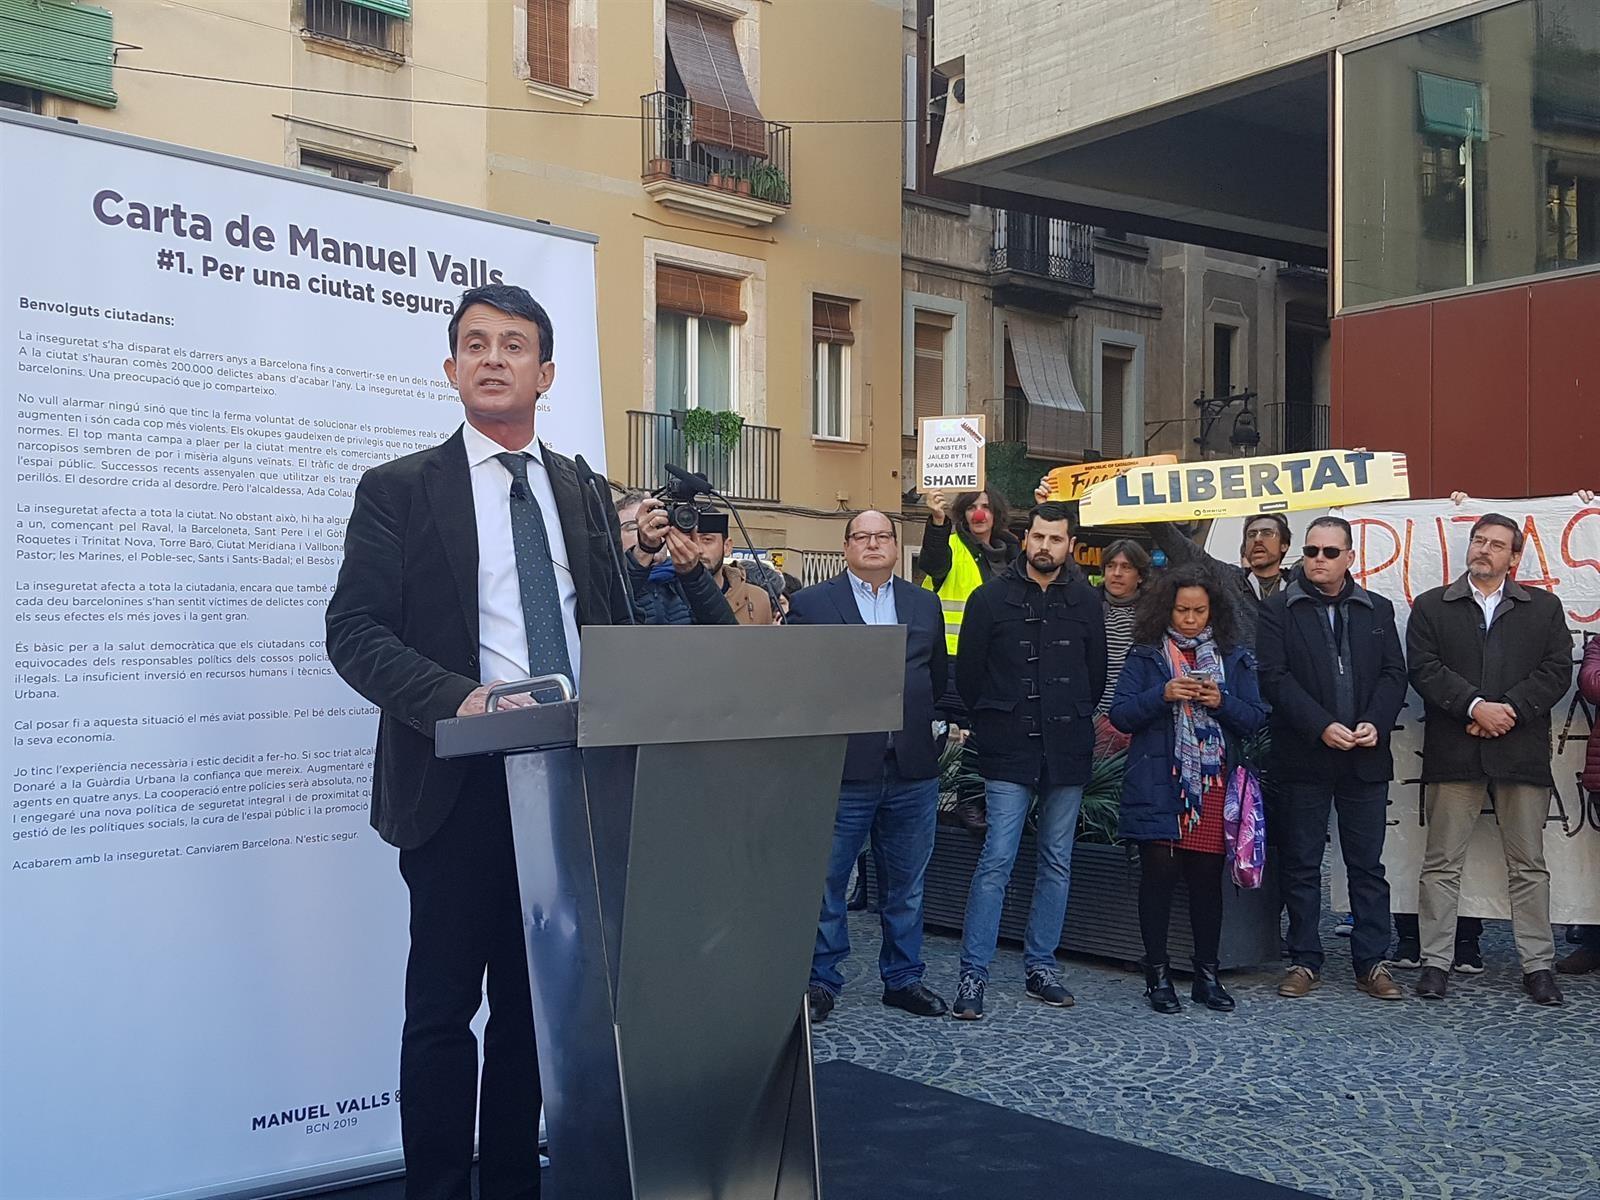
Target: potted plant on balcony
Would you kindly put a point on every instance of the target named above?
(769, 183)
(705, 427)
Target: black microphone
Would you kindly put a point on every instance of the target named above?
(593, 491)
(698, 482)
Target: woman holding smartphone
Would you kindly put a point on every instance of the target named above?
(1188, 696)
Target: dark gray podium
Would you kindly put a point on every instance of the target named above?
(672, 828)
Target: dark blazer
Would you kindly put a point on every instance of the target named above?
(1149, 808)
(1297, 679)
(403, 619)
(916, 750)
(1524, 659)
(1031, 666)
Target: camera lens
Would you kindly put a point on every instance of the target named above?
(685, 517)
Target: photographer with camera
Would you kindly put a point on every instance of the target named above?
(670, 584)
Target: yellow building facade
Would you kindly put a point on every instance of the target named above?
(739, 161)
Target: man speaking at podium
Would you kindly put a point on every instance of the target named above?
(465, 565)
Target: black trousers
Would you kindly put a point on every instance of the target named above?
(1302, 814)
(1160, 868)
(465, 920)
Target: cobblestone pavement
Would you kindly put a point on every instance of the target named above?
(1482, 1097)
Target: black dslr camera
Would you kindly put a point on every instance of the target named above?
(678, 495)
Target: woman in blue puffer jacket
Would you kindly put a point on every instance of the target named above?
(1188, 696)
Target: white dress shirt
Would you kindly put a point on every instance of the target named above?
(1488, 603)
(502, 634)
(875, 607)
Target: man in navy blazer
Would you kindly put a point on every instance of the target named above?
(891, 780)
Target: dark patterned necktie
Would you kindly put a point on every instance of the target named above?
(536, 576)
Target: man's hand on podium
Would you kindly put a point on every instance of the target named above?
(477, 701)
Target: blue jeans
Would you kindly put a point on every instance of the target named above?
(900, 814)
(1058, 825)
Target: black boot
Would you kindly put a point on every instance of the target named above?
(1158, 987)
(1208, 989)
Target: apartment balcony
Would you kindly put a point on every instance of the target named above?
(1041, 262)
(713, 163)
(746, 470)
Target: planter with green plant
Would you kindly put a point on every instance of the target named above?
(769, 183)
(706, 427)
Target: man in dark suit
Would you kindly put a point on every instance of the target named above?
(471, 563)
(891, 780)
(1332, 669)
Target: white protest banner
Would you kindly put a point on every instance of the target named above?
(950, 453)
(202, 943)
(1403, 550)
(1070, 483)
(1236, 487)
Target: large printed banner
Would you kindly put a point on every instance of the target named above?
(1239, 487)
(202, 943)
(1402, 550)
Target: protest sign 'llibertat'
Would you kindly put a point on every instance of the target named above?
(1234, 487)
(950, 453)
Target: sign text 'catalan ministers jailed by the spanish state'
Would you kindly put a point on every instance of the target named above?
(950, 453)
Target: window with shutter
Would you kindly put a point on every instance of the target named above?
(928, 365)
(831, 339)
(550, 42)
(706, 59)
(699, 294)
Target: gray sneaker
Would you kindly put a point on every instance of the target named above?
(969, 998)
(1045, 986)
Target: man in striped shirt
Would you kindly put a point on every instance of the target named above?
(1124, 566)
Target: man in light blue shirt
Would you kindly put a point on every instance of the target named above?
(890, 787)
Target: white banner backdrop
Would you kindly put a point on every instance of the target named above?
(1403, 549)
(202, 943)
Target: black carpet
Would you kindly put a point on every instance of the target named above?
(886, 1138)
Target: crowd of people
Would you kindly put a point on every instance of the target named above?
(1183, 666)
(481, 560)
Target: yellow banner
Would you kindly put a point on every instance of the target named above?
(1239, 486)
(1070, 483)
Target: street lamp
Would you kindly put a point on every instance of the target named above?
(1245, 435)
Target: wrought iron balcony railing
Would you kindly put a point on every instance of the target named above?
(713, 148)
(746, 470)
(1049, 247)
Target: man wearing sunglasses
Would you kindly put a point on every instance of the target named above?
(1333, 671)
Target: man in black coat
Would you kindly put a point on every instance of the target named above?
(471, 563)
(1332, 669)
(891, 780)
(1490, 659)
(1031, 667)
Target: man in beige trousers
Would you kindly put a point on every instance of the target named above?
(1490, 659)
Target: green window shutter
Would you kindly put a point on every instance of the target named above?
(60, 48)
(1451, 106)
(393, 8)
